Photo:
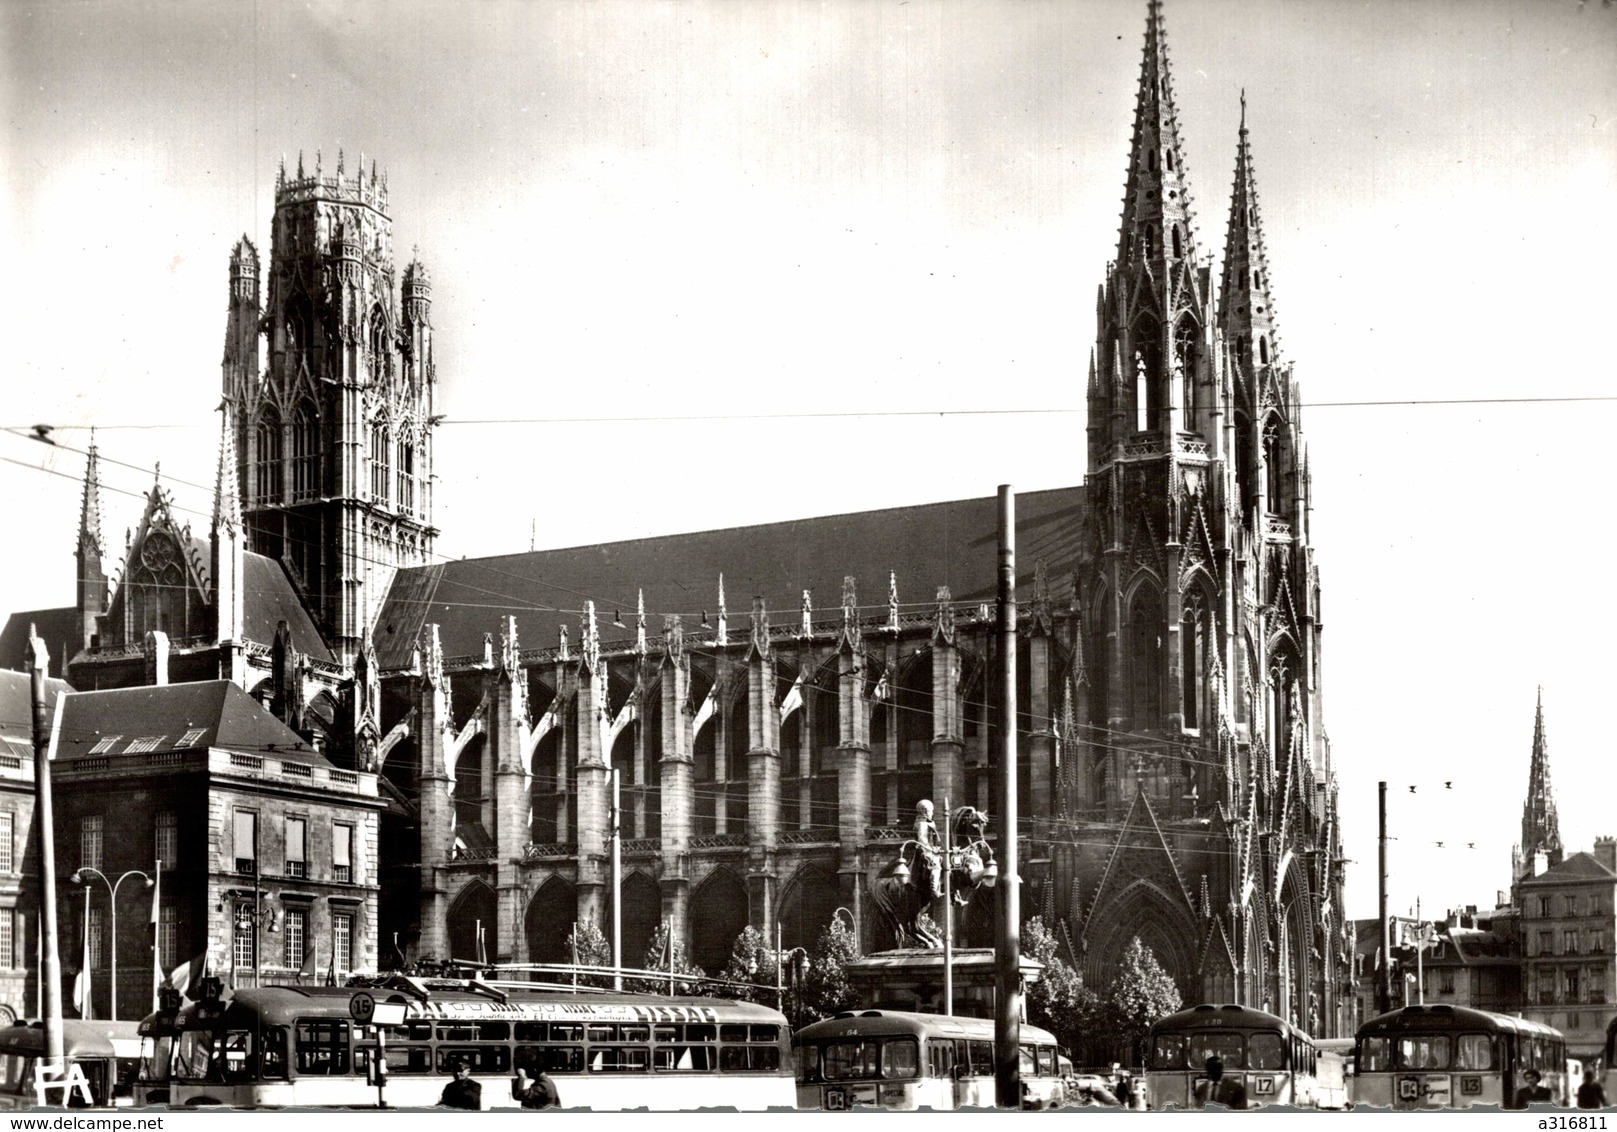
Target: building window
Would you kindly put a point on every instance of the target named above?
(1546, 943)
(1574, 906)
(168, 937)
(381, 468)
(1594, 905)
(90, 842)
(295, 925)
(1445, 980)
(296, 843)
(8, 937)
(143, 744)
(342, 853)
(268, 488)
(1572, 985)
(1597, 984)
(246, 841)
(1569, 942)
(305, 453)
(1597, 941)
(8, 844)
(406, 470)
(191, 738)
(168, 838)
(105, 744)
(342, 940)
(92, 935)
(245, 940)
(1544, 907)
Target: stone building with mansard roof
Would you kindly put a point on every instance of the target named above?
(1176, 779)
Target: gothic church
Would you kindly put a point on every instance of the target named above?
(1176, 779)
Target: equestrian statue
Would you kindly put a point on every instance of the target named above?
(914, 882)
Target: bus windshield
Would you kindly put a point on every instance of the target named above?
(1191, 1051)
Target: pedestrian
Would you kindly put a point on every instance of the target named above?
(1532, 1092)
(1215, 1088)
(1591, 1094)
(462, 1091)
(537, 1092)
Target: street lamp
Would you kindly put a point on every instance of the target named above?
(799, 961)
(82, 878)
(247, 918)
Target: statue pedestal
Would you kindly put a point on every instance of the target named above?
(911, 978)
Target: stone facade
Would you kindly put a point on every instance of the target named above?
(1568, 926)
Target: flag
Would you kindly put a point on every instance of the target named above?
(311, 964)
(157, 952)
(82, 988)
(331, 971)
(188, 974)
(482, 947)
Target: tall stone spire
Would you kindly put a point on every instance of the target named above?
(1156, 204)
(91, 551)
(1245, 306)
(1541, 829)
(227, 565)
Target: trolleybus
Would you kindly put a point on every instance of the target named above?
(396, 1045)
(895, 1059)
(101, 1060)
(1427, 1057)
(1269, 1059)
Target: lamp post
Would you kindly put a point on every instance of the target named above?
(82, 877)
(249, 917)
(953, 856)
(799, 962)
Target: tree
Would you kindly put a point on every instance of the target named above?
(1141, 993)
(1051, 999)
(587, 946)
(751, 969)
(826, 989)
(657, 959)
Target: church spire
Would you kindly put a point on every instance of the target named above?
(1245, 307)
(227, 565)
(1156, 205)
(92, 575)
(1541, 829)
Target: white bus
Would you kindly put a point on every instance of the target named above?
(899, 1060)
(1428, 1057)
(314, 1047)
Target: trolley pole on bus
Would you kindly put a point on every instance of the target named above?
(1008, 933)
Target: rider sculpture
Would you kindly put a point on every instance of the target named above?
(901, 895)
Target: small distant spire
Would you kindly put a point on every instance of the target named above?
(1243, 110)
(640, 623)
(90, 511)
(808, 612)
(226, 493)
(892, 600)
(724, 624)
(339, 161)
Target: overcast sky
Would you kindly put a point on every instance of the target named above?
(671, 212)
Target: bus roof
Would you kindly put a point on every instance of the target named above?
(282, 1005)
(1444, 1017)
(1225, 1016)
(80, 1038)
(884, 1023)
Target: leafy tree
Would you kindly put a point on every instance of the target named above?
(1141, 993)
(657, 959)
(1053, 997)
(587, 946)
(752, 966)
(826, 989)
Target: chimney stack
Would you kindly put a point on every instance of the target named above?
(1606, 852)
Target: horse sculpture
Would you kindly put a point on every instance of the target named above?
(902, 894)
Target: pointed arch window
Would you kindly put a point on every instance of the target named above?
(267, 486)
(1184, 367)
(305, 453)
(1151, 160)
(381, 464)
(1167, 159)
(1145, 657)
(298, 334)
(1195, 634)
(377, 344)
(406, 477)
(1150, 383)
(1178, 242)
(1263, 350)
(1274, 481)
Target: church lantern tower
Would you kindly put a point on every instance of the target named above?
(334, 432)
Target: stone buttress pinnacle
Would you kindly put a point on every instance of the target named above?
(1246, 308)
(90, 508)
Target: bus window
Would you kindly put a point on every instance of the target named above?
(483, 1059)
(1375, 1055)
(274, 1040)
(942, 1054)
(805, 1058)
(851, 1060)
(1047, 1061)
(410, 1059)
(749, 1059)
(901, 1058)
(1168, 1052)
(1228, 1048)
(193, 1054)
(322, 1047)
(1474, 1052)
(982, 1059)
(1265, 1051)
(620, 1059)
(240, 1056)
(1026, 1065)
(1423, 1051)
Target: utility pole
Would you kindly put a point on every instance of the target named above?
(617, 887)
(1384, 977)
(1008, 928)
(50, 974)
